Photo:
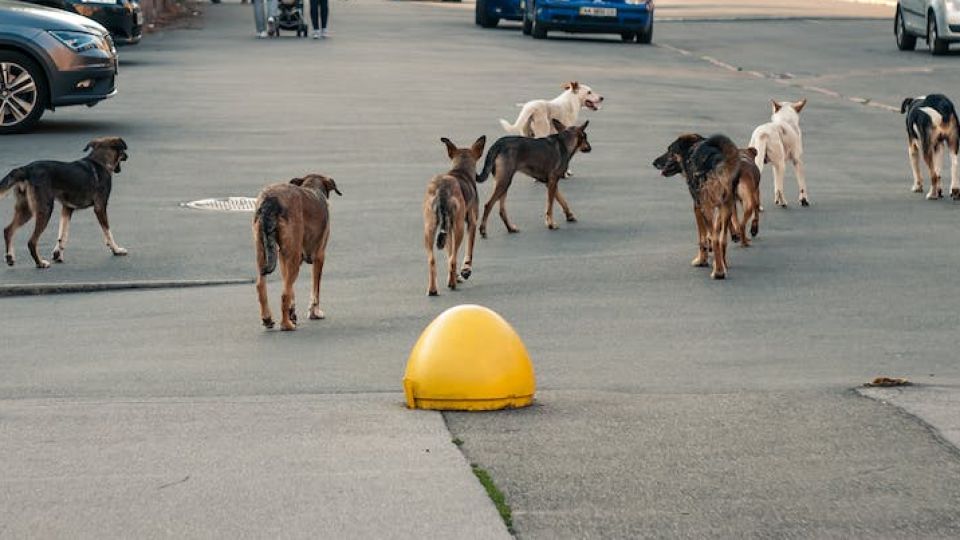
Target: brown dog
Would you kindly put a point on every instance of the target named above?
(293, 219)
(748, 193)
(712, 169)
(450, 202)
(78, 184)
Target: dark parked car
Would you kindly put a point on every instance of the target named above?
(50, 58)
(632, 19)
(487, 13)
(123, 18)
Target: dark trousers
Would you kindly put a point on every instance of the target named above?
(324, 13)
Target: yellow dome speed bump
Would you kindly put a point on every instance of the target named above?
(469, 359)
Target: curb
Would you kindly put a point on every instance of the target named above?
(69, 288)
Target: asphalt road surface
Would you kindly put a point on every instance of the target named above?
(669, 404)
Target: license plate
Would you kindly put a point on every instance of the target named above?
(598, 11)
(139, 18)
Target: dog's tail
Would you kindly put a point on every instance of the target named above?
(441, 207)
(759, 142)
(13, 178)
(727, 160)
(266, 219)
(490, 164)
(522, 125)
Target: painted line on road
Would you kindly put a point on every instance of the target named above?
(69, 288)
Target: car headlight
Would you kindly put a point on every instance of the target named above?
(77, 41)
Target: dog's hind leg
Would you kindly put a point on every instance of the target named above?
(100, 209)
(552, 187)
(65, 214)
(21, 215)
(934, 160)
(953, 145)
(315, 312)
(471, 238)
(720, 225)
(42, 213)
(778, 172)
(801, 181)
(289, 270)
(265, 316)
(503, 215)
(566, 207)
(913, 151)
(453, 247)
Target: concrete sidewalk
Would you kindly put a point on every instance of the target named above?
(347, 466)
(937, 406)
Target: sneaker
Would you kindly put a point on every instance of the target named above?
(324, 33)
(261, 35)
(271, 26)
(316, 34)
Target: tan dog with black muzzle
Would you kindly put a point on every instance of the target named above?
(294, 220)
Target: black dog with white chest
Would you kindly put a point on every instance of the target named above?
(932, 125)
(77, 185)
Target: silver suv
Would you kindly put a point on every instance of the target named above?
(50, 58)
(936, 21)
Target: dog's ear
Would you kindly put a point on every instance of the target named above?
(477, 148)
(123, 143)
(572, 86)
(557, 125)
(329, 185)
(906, 105)
(297, 181)
(799, 105)
(451, 148)
(90, 145)
(752, 152)
(776, 106)
(584, 126)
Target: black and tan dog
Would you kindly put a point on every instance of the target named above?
(712, 169)
(932, 125)
(452, 202)
(545, 159)
(294, 220)
(77, 185)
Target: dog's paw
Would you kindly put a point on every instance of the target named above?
(466, 273)
(292, 315)
(572, 218)
(804, 202)
(288, 326)
(734, 237)
(932, 195)
(57, 256)
(718, 275)
(917, 188)
(483, 233)
(754, 230)
(512, 230)
(699, 262)
(433, 293)
(119, 252)
(11, 260)
(268, 322)
(43, 264)
(955, 194)
(317, 314)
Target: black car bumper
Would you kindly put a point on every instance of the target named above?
(123, 21)
(83, 87)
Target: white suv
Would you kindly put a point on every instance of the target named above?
(937, 21)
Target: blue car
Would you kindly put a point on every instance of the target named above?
(632, 19)
(489, 12)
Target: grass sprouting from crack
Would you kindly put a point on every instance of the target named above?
(495, 495)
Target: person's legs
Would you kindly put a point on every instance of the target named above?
(313, 14)
(324, 13)
(258, 15)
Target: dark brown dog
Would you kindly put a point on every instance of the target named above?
(545, 159)
(712, 169)
(748, 193)
(450, 203)
(77, 185)
(293, 219)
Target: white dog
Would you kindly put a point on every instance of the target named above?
(777, 142)
(536, 117)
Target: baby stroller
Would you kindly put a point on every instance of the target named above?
(290, 17)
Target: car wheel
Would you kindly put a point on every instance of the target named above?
(483, 17)
(627, 37)
(645, 36)
(23, 92)
(905, 40)
(527, 23)
(937, 45)
(538, 30)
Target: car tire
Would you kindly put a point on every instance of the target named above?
(937, 46)
(527, 23)
(645, 36)
(905, 40)
(15, 117)
(483, 17)
(628, 37)
(538, 30)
